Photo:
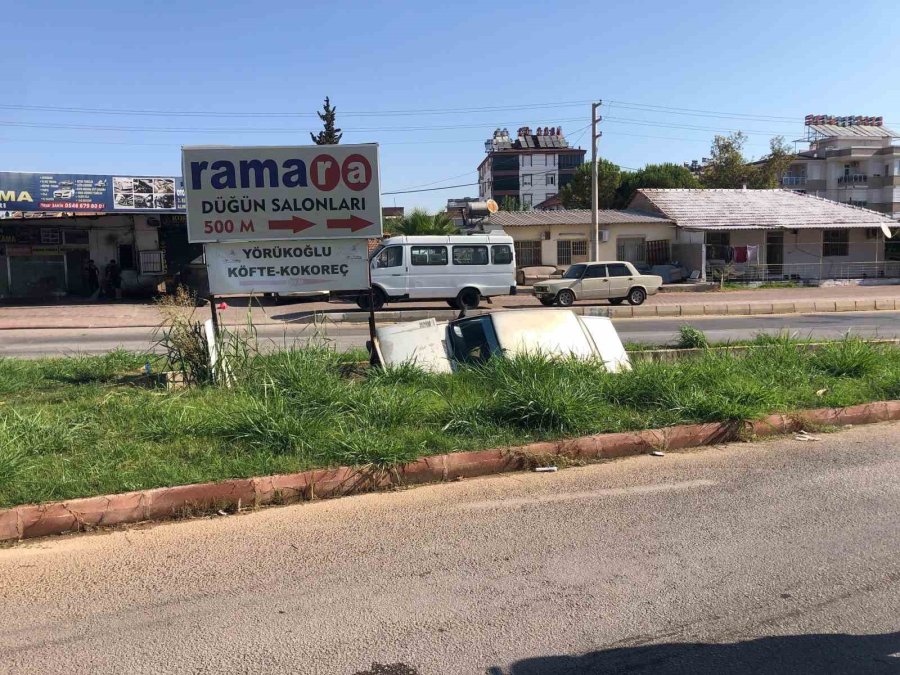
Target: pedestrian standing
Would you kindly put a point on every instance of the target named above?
(92, 272)
(113, 278)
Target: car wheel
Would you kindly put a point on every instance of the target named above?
(468, 298)
(378, 295)
(547, 302)
(453, 303)
(636, 296)
(616, 301)
(565, 298)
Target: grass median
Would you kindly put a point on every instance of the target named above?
(72, 427)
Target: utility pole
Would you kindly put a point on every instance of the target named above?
(595, 216)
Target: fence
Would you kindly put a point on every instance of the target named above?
(802, 271)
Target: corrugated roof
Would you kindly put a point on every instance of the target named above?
(572, 217)
(853, 131)
(758, 209)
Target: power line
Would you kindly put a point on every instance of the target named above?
(228, 114)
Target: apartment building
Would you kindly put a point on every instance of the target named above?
(530, 168)
(852, 160)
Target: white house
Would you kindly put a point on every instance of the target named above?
(773, 234)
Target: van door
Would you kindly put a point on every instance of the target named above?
(389, 271)
(429, 272)
(620, 280)
(594, 283)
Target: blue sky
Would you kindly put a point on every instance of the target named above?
(769, 63)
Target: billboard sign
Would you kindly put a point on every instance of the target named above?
(22, 193)
(293, 192)
(243, 268)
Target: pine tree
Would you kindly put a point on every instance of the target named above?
(329, 135)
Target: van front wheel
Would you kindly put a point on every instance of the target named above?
(468, 298)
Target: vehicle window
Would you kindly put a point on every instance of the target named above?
(470, 255)
(574, 272)
(595, 272)
(392, 256)
(619, 271)
(474, 340)
(428, 255)
(501, 254)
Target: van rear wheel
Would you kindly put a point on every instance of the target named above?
(378, 295)
(468, 298)
(452, 302)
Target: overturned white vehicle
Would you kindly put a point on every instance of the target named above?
(441, 347)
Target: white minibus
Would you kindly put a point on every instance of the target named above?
(461, 269)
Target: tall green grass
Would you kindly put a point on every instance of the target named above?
(73, 427)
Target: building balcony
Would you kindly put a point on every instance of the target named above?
(859, 179)
(793, 181)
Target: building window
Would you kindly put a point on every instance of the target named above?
(568, 251)
(631, 249)
(528, 253)
(126, 256)
(49, 236)
(152, 262)
(526, 179)
(550, 179)
(835, 243)
(526, 160)
(470, 255)
(75, 237)
(501, 254)
(527, 199)
(428, 255)
(718, 245)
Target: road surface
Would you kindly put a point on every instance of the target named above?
(774, 557)
(41, 342)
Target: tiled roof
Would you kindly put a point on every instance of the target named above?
(853, 131)
(571, 217)
(758, 209)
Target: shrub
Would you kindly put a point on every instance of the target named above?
(691, 338)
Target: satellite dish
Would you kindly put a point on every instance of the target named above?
(886, 230)
(493, 208)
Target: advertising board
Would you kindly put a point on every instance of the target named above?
(22, 193)
(287, 266)
(286, 192)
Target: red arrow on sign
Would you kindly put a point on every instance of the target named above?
(354, 223)
(295, 224)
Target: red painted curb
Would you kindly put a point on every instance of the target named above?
(38, 520)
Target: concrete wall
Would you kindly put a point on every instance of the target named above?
(649, 231)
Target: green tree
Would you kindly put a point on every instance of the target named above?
(654, 176)
(329, 135)
(420, 221)
(768, 171)
(577, 193)
(727, 167)
(510, 203)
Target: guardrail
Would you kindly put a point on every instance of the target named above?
(854, 178)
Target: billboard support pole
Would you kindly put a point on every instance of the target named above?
(373, 358)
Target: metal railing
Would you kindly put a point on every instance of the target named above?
(806, 271)
(793, 180)
(855, 179)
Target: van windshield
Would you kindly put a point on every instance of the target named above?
(378, 249)
(574, 272)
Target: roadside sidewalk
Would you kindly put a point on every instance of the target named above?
(673, 304)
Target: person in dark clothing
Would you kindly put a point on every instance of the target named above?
(113, 278)
(92, 274)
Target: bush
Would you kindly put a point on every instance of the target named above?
(691, 338)
(851, 357)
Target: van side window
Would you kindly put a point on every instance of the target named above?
(619, 270)
(392, 256)
(470, 255)
(428, 255)
(501, 254)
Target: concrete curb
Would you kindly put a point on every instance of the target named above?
(620, 312)
(38, 520)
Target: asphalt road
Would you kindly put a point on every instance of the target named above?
(41, 342)
(776, 557)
